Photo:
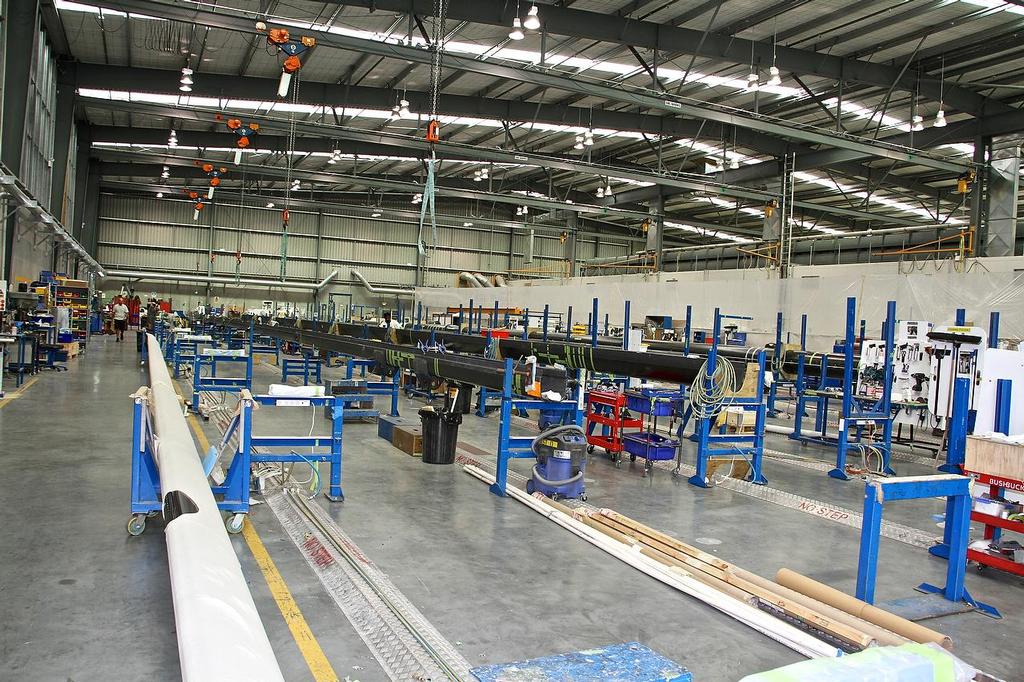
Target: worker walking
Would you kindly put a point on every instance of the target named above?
(120, 313)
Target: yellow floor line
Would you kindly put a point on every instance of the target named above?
(20, 392)
(308, 645)
(317, 661)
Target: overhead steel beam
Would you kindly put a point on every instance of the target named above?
(683, 182)
(335, 178)
(589, 88)
(329, 202)
(962, 131)
(606, 27)
(99, 76)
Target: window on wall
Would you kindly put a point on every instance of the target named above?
(37, 158)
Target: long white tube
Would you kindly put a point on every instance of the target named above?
(220, 634)
(212, 279)
(282, 86)
(380, 290)
(325, 280)
(764, 623)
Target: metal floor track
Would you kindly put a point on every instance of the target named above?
(402, 640)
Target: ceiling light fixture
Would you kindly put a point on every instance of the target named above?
(270, 204)
(588, 138)
(517, 30)
(752, 83)
(417, 198)
(186, 82)
(375, 214)
(734, 164)
(519, 210)
(532, 21)
(608, 190)
(600, 192)
(940, 115)
(395, 114)
(159, 195)
(335, 156)
(579, 143)
(917, 123)
(526, 210)
(467, 224)
(775, 78)
(403, 109)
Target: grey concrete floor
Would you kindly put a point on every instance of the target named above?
(81, 600)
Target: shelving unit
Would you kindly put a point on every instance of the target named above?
(605, 416)
(995, 525)
(74, 294)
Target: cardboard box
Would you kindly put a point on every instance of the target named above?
(70, 348)
(408, 439)
(386, 425)
(738, 420)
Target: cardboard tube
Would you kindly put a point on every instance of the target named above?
(727, 574)
(881, 636)
(861, 609)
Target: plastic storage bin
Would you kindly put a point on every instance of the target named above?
(650, 446)
(652, 401)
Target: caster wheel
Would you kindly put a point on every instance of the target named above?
(234, 523)
(583, 497)
(529, 487)
(590, 449)
(136, 524)
(632, 458)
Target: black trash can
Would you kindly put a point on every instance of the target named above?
(440, 434)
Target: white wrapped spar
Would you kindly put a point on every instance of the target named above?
(220, 634)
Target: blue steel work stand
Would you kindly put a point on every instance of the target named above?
(778, 355)
(210, 358)
(305, 366)
(748, 446)
(957, 491)
(521, 447)
(186, 349)
(855, 411)
(236, 486)
(145, 478)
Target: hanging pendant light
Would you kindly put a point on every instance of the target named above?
(532, 19)
(608, 190)
(579, 143)
(917, 123)
(940, 119)
(395, 114)
(517, 30)
(734, 163)
(403, 109)
(774, 77)
(752, 83)
(600, 192)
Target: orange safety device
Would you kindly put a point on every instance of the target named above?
(232, 123)
(308, 42)
(284, 216)
(278, 36)
(292, 64)
(433, 131)
(207, 167)
(242, 142)
(214, 182)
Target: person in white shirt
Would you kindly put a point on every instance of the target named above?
(120, 313)
(389, 323)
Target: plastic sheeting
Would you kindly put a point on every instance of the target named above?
(926, 291)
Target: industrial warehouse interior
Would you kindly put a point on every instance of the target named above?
(512, 341)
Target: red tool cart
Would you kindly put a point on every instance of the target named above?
(607, 416)
(995, 525)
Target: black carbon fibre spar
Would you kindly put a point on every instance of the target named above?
(669, 367)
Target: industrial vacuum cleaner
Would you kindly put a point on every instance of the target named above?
(561, 454)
